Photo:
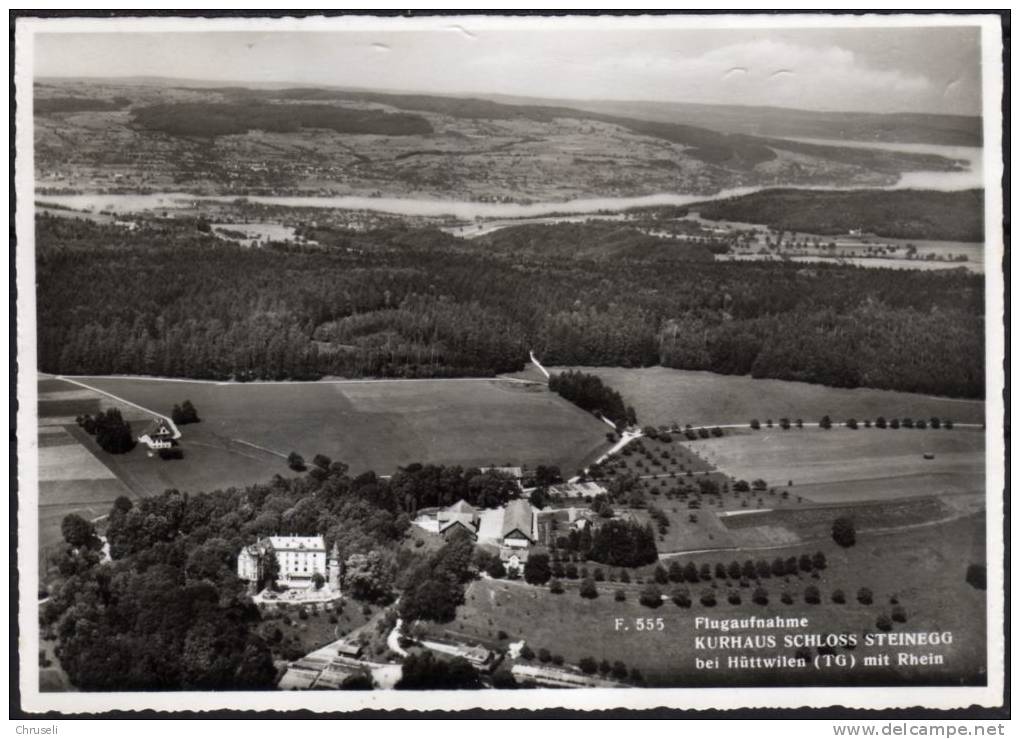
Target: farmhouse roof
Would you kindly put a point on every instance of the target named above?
(157, 427)
(467, 521)
(518, 516)
(461, 506)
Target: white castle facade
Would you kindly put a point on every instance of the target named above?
(299, 559)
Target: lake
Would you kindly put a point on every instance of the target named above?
(972, 177)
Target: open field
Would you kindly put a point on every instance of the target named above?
(814, 523)
(375, 425)
(923, 569)
(73, 477)
(662, 396)
(882, 463)
(209, 463)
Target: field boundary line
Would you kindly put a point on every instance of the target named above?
(170, 422)
(260, 448)
(230, 383)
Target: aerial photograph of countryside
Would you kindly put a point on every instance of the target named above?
(480, 359)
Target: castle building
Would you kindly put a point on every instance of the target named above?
(299, 559)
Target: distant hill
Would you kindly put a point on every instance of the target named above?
(919, 128)
(736, 151)
(904, 127)
(904, 214)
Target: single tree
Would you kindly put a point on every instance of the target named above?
(537, 570)
(651, 596)
(78, 532)
(843, 531)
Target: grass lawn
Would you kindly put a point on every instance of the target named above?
(882, 463)
(379, 425)
(922, 568)
(663, 396)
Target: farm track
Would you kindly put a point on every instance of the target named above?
(154, 414)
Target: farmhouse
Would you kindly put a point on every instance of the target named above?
(299, 558)
(158, 435)
(513, 558)
(461, 516)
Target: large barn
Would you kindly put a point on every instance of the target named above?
(518, 524)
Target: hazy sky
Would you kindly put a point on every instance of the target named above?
(867, 69)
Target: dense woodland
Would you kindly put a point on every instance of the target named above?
(897, 214)
(221, 119)
(170, 300)
(590, 393)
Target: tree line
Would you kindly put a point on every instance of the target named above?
(170, 300)
(591, 394)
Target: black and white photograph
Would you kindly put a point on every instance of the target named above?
(448, 362)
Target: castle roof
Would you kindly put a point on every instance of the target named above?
(298, 543)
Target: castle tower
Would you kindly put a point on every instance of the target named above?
(333, 568)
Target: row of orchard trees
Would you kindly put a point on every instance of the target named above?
(880, 422)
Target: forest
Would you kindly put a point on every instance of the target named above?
(589, 393)
(897, 214)
(49, 106)
(220, 119)
(170, 300)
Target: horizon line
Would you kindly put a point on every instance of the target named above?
(213, 83)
